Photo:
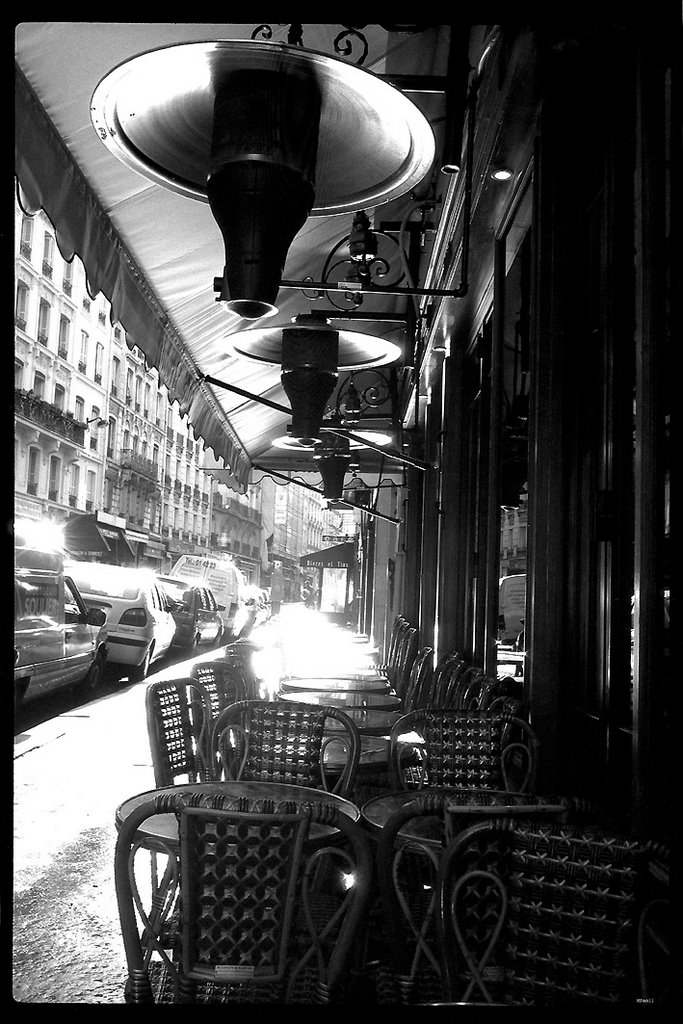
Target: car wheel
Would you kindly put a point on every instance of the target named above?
(139, 672)
(94, 675)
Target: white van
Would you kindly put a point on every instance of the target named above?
(140, 623)
(220, 575)
(58, 641)
(511, 607)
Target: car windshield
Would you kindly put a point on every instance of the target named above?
(105, 582)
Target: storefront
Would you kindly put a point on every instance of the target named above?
(337, 578)
(99, 537)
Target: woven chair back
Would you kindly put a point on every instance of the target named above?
(540, 914)
(262, 913)
(176, 711)
(462, 748)
(266, 741)
(418, 690)
(410, 848)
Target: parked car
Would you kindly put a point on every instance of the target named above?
(140, 623)
(220, 575)
(58, 641)
(195, 610)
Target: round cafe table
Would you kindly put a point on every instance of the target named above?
(463, 807)
(368, 721)
(343, 699)
(344, 684)
(161, 830)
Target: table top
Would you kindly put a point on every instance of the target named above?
(373, 750)
(467, 804)
(163, 828)
(350, 684)
(340, 672)
(341, 699)
(368, 721)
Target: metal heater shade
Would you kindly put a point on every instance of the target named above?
(155, 112)
(268, 134)
(355, 350)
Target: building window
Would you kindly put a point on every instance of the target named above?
(63, 340)
(54, 478)
(75, 484)
(38, 384)
(60, 395)
(111, 438)
(89, 490)
(33, 476)
(115, 375)
(79, 408)
(67, 280)
(99, 360)
(94, 427)
(18, 373)
(129, 387)
(20, 311)
(43, 321)
(48, 254)
(83, 358)
(26, 241)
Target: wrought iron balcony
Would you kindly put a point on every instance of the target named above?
(47, 415)
(139, 464)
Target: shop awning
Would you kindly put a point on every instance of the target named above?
(98, 536)
(338, 557)
(154, 253)
(84, 538)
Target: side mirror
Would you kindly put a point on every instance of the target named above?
(220, 607)
(96, 617)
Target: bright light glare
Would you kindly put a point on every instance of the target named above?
(348, 880)
(42, 535)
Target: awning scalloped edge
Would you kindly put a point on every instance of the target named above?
(51, 180)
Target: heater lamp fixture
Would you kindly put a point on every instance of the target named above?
(268, 134)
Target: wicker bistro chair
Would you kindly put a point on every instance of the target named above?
(418, 689)
(407, 955)
(177, 717)
(266, 741)
(462, 748)
(448, 671)
(399, 626)
(543, 914)
(252, 924)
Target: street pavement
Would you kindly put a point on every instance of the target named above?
(70, 775)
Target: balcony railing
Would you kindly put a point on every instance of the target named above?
(45, 414)
(139, 464)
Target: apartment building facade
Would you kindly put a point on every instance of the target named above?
(100, 448)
